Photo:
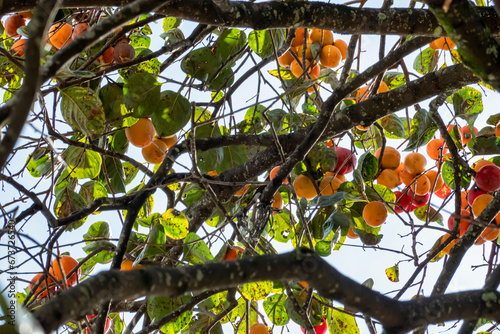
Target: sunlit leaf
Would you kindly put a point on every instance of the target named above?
(392, 273)
(256, 291)
(82, 110)
(176, 224)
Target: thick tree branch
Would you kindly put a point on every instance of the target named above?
(20, 104)
(397, 316)
(285, 14)
(478, 49)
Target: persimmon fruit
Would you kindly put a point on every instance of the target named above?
(330, 56)
(12, 23)
(329, 185)
(299, 37)
(342, 46)
(415, 163)
(19, 47)
(129, 265)
(286, 59)
(434, 148)
(390, 159)
(80, 28)
(304, 187)
(170, 140)
(141, 133)
(346, 161)
(375, 213)
(62, 266)
(389, 178)
(322, 37)
(155, 152)
(273, 173)
(488, 178)
(259, 328)
(60, 34)
(232, 253)
(42, 288)
(123, 52)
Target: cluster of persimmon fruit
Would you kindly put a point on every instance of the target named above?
(60, 34)
(58, 276)
(320, 47)
(59, 270)
(143, 134)
(421, 181)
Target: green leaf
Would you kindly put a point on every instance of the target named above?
(323, 248)
(229, 43)
(173, 36)
(174, 113)
(39, 167)
(434, 216)
(422, 129)
(170, 23)
(274, 306)
(98, 230)
(142, 94)
(233, 156)
(493, 119)
(381, 191)
(324, 201)
(257, 290)
(130, 172)
(192, 193)
(83, 163)
(159, 306)
(105, 255)
(138, 40)
(367, 166)
(467, 103)
(67, 202)
(82, 110)
(196, 250)
(211, 159)
(448, 174)
(261, 41)
(253, 122)
(341, 323)
(113, 104)
(394, 79)
(201, 63)
(155, 243)
(114, 174)
(484, 146)
(426, 61)
(282, 72)
(151, 66)
(280, 228)
(92, 190)
(394, 128)
(176, 224)
(118, 142)
(223, 80)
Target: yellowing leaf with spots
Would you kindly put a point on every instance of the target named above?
(256, 291)
(176, 224)
(393, 273)
(341, 323)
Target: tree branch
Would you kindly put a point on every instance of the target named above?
(303, 264)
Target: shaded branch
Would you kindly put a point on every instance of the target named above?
(285, 14)
(303, 264)
(477, 48)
